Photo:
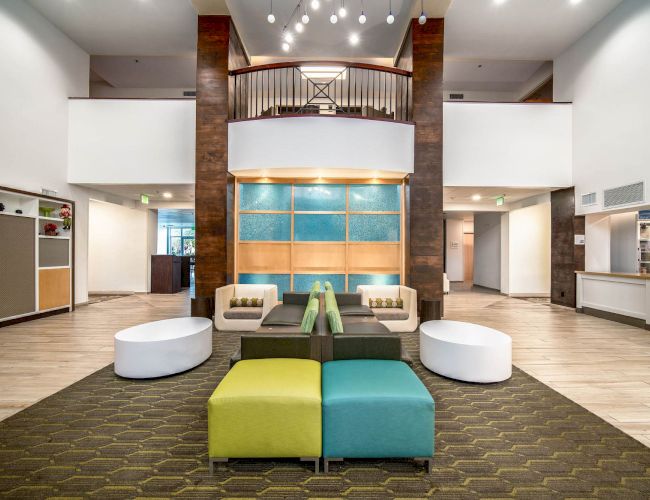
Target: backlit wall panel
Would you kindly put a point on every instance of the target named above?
(291, 234)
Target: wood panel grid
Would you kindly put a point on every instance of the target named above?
(319, 257)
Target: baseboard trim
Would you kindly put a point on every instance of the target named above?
(618, 318)
(34, 316)
(530, 295)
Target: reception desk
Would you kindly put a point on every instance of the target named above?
(622, 297)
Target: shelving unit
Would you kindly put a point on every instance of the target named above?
(644, 241)
(37, 269)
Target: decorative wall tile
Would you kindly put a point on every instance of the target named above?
(265, 196)
(303, 282)
(371, 279)
(375, 197)
(265, 227)
(374, 227)
(319, 197)
(283, 281)
(319, 227)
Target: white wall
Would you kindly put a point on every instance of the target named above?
(606, 74)
(624, 243)
(505, 253)
(529, 251)
(489, 144)
(454, 264)
(118, 248)
(320, 142)
(40, 69)
(117, 141)
(487, 250)
(597, 243)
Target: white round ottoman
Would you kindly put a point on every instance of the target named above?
(465, 351)
(162, 347)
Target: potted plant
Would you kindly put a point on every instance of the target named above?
(66, 214)
(50, 229)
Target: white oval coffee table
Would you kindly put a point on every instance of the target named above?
(162, 348)
(465, 351)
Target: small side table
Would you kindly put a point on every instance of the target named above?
(430, 309)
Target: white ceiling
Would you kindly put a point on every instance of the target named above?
(518, 30)
(321, 38)
(180, 192)
(125, 27)
(510, 39)
(462, 196)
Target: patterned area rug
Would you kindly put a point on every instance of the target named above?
(106, 437)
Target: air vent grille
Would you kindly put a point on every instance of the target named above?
(624, 195)
(588, 199)
(457, 97)
(189, 93)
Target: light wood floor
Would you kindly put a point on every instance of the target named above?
(603, 366)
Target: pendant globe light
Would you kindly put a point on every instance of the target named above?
(271, 18)
(423, 18)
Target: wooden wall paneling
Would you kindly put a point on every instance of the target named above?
(314, 258)
(563, 248)
(265, 257)
(53, 288)
(369, 258)
(425, 184)
(212, 103)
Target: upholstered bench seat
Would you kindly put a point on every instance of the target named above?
(267, 408)
(243, 313)
(375, 409)
(390, 314)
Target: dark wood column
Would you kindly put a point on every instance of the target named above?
(211, 153)
(425, 185)
(566, 256)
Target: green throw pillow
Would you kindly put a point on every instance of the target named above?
(309, 318)
(332, 312)
(244, 302)
(315, 290)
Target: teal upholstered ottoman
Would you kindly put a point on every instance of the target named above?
(375, 409)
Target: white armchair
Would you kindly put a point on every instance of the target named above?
(243, 319)
(396, 320)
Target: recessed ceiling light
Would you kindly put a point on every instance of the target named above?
(500, 2)
(354, 39)
(575, 2)
(476, 197)
(167, 195)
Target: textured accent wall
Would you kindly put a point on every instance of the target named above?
(218, 50)
(566, 256)
(425, 185)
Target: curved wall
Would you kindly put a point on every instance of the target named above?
(320, 142)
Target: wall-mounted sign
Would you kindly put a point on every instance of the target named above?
(579, 239)
(644, 215)
(144, 199)
(453, 245)
(501, 200)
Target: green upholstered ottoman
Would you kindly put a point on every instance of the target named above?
(375, 408)
(267, 408)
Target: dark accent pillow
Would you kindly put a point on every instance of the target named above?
(246, 302)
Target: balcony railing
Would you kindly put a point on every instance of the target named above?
(321, 88)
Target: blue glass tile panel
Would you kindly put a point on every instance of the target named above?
(265, 197)
(319, 227)
(265, 227)
(374, 227)
(371, 279)
(283, 281)
(375, 197)
(319, 198)
(303, 282)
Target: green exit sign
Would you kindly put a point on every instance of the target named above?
(144, 199)
(501, 200)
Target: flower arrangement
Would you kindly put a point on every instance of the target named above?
(50, 229)
(66, 214)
